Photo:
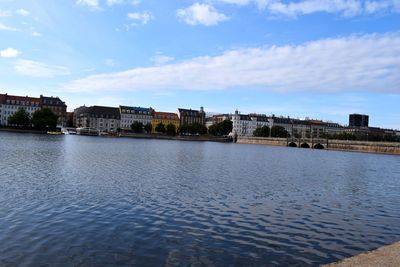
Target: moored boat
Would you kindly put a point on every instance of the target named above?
(87, 131)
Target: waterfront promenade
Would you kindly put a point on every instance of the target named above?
(387, 256)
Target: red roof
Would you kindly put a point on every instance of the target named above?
(5, 97)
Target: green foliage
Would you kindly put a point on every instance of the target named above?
(160, 128)
(263, 131)
(137, 127)
(148, 127)
(44, 119)
(20, 118)
(220, 129)
(183, 129)
(278, 131)
(170, 129)
(197, 128)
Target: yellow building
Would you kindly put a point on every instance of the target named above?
(164, 118)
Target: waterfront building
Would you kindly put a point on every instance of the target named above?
(69, 119)
(334, 128)
(77, 118)
(104, 119)
(189, 116)
(358, 120)
(129, 115)
(295, 127)
(57, 106)
(214, 119)
(9, 104)
(245, 125)
(165, 118)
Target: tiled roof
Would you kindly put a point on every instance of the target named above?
(51, 101)
(100, 110)
(135, 109)
(5, 97)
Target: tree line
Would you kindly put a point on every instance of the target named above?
(42, 119)
(219, 129)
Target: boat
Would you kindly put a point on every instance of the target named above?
(87, 131)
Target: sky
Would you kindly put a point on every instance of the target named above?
(321, 59)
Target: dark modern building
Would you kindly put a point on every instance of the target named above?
(190, 116)
(57, 106)
(358, 120)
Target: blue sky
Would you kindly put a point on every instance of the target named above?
(302, 58)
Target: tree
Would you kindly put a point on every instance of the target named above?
(170, 129)
(137, 127)
(148, 127)
(20, 118)
(262, 131)
(160, 128)
(197, 128)
(220, 129)
(183, 129)
(44, 119)
(278, 131)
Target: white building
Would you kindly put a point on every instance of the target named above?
(129, 115)
(245, 125)
(10, 104)
(104, 119)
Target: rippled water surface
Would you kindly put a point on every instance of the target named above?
(87, 201)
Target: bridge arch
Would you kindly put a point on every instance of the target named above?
(319, 146)
(292, 144)
(305, 145)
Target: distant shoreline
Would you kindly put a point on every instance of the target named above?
(137, 136)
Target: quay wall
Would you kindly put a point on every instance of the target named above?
(342, 145)
(385, 256)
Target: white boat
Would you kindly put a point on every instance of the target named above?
(87, 131)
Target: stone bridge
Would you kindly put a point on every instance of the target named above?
(319, 143)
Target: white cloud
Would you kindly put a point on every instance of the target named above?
(140, 17)
(347, 8)
(201, 14)
(36, 34)
(9, 52)
(355, 63)
(5, 13)
(93, 4)
(22, 12)
(123, 2)
(382, 6)
(161, 59)
(109, 62)
(39, 69)
(4, 27)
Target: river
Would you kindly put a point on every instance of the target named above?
(91, 201)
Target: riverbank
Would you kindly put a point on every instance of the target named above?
(339, 145)
(178, 138)
(16, 130)
(133, 135)
(383, 257)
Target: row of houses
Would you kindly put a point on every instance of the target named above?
(112, 119)
(10, 104)
(246, 124)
